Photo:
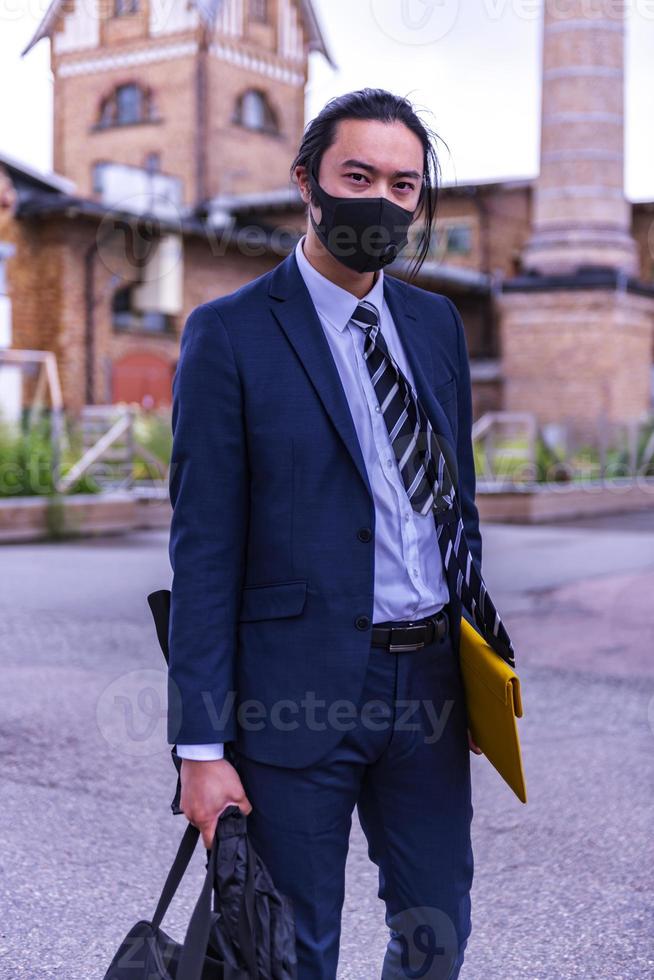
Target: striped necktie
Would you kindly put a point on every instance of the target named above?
(427, 479)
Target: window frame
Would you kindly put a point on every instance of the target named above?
(107, 117)
(270, 117)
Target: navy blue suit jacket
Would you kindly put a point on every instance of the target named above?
(272, 592)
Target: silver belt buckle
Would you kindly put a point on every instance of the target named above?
(393, 647)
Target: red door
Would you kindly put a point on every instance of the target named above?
(143, 378)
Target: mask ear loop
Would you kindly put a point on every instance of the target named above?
(316, 191)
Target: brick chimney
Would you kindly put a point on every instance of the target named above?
(580, 215)
(576, 325)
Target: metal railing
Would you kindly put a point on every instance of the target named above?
(512, 448)
(110, 450)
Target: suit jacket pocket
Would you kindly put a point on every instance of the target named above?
(446, 396)
(445, 391)
(273, 601)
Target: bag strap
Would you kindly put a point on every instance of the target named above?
(176, 873)
(194, 948)
(246, 920)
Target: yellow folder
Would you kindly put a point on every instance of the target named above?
(493, 703)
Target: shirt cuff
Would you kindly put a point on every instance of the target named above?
(201, 753)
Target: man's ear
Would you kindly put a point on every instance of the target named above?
(303, 182)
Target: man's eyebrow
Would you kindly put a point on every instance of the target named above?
(373, 170)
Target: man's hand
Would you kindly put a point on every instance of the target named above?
(207, 788)
(473, 748)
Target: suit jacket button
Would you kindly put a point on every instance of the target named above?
(362, 622)
(364, 534)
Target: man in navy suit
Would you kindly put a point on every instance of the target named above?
(313, 637)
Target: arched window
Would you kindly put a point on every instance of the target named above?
(253, 111)
(127, 104)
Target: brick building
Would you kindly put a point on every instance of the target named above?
(175, 125)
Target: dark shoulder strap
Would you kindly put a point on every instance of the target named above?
(246, 920)
(194, 949)
(176, 873)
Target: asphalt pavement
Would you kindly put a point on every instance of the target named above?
(563, 885)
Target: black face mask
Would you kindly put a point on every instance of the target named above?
(364, 233)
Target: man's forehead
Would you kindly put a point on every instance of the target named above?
(354, 148)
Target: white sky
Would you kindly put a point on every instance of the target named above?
(471, 66)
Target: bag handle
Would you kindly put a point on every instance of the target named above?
(246, 919)
(176, 873)
(194, 948)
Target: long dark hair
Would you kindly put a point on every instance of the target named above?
(379, 104)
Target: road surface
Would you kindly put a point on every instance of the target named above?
(563, 886)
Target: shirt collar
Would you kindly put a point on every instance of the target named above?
(333, 302)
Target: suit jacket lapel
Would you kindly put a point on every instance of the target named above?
(292, 307)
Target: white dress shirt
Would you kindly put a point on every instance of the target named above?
(410, 579)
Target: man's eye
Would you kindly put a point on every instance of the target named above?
(404, 184)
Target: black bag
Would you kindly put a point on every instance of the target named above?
(249, 935)
(251, 932)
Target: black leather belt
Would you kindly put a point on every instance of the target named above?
(412, 634)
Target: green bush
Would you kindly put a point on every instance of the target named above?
(153, 431)
(555, 466)
(26, 462)
(26, 471)
(26, 455)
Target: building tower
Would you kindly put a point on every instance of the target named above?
(209, 93)
(166, 112)
(576, 326)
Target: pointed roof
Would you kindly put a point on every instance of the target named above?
(39, 179)
(207, 9)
